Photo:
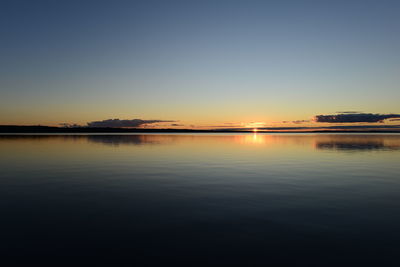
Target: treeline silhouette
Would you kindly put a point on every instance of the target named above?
(53, 129)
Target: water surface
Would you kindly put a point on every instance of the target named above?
(208, 200)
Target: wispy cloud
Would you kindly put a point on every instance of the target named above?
(295, 122)
(349, 112)
(117, 123)
(350, 117)
(300, 121)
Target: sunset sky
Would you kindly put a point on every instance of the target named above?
(197, 63)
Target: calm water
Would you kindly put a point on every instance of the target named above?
(208, 200)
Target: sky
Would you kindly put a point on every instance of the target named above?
(197, 63)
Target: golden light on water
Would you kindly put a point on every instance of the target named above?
(251, 139)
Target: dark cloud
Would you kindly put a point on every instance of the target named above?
(354, 117)
(69, 125)
(117, 123)
(176, 124)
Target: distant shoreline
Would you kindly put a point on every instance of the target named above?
(49, 129)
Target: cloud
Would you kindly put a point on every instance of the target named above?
(69, 125)
(295, 122)
(117, 123)
(349, 112)
(354, 117)
(300, 121)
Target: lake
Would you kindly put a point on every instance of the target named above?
(202, 199)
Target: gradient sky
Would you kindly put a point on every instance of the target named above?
(198, 62)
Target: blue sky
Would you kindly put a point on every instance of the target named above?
(198, 62)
